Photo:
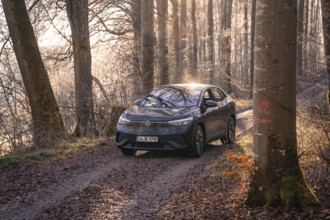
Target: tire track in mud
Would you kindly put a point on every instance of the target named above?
(55, 193)
(146, 201)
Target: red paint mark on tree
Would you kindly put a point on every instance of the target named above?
(263, 108)
(263, 120)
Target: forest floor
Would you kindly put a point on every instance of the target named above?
(98, 182)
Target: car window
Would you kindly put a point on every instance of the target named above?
(207, 96)
(169, 97)
(218, 94)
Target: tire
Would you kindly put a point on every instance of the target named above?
(198, 142)
(128, 152)
(230, 133)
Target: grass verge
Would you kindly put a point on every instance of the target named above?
(67, 149)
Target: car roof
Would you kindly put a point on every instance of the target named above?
(191, 86)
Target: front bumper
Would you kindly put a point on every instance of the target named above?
(169, 137)
(165, 142)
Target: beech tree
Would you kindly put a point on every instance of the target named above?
(226, 42)
(183, 40)
(245, 72)
(147, 45)
(305, 39)
(326, 34)
(162, 8)
(210, 33)
(136, 23)
(253, 24)
(78, 17)
(278, 180)
(176, 38)
(194, 61)
(300, 34)
(46, 119)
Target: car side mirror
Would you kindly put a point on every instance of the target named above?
(137, 102)
(210, 103)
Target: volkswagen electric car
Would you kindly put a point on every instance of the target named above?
(177, 117)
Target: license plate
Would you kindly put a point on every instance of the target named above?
(151, 139)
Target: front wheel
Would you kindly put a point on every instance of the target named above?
(198, 142)
(230, 133)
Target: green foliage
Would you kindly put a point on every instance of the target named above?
(65, 149)
(6, 161)
(39, 155)
(17, 160)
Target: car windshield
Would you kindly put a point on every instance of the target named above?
(170, 97)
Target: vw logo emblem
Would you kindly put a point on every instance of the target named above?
(147, 123)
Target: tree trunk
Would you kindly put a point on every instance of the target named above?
(226, 43)
(136, 20)
(305, 46)
(77, 12)
(183, 40)
(47, 122)
(253, 25)
(147, 46)
(194, 36)
(162, 42)
(203, 42)
(176, 37)
(247, 83)
(210, 33)
(278, 180)
(300, 34)
(315, 34)
(326, 34)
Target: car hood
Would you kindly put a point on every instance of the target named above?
(158, 114)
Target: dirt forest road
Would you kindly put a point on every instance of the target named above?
(102, 184)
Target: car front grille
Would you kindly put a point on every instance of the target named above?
(145, 124)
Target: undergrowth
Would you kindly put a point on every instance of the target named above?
(66, 149)
(237, 164)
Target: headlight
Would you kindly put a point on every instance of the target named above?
(185, 121)
(123, 121)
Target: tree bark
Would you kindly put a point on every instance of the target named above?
(176, 36)
(253, 25)
(162, 42)
(300, 34)
(305, 46)
(136, 7)
(183, 40)
(147, 46)
(194, 43)
(48, 125)
(278, 180)
(77, 12)
(246, 48)
(226, 43)
(210, 33)
(326, 34)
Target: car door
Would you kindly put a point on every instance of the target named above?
(210, 116)
(222, 111)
